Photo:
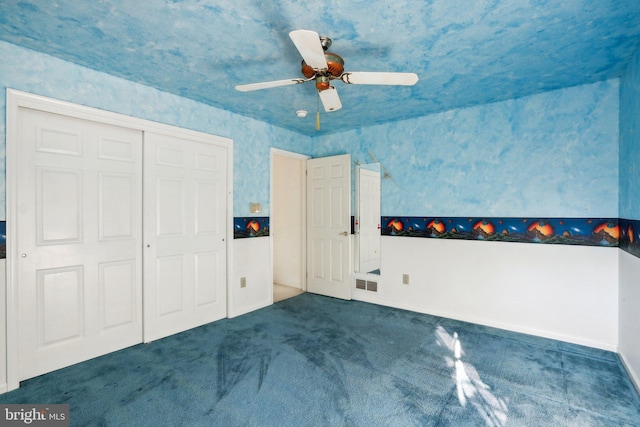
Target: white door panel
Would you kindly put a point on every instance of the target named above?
(185, 248)
(207, 266)
(116, 197)
(59, 206)
(60, 305)
(118, 289)
(80, 234)
(329, 225)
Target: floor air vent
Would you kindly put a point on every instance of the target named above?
(366, 285)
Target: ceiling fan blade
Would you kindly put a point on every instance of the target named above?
(267, 85)
(372, 78)
(330, 99)
(308, 44)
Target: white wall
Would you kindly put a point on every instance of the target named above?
(287, 222)
(251, 259)
(629, 323)
(563, 292)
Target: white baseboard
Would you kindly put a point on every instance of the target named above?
(248, 309)
(492, 324)
(635, 378)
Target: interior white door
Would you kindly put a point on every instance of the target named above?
(78, 254)
(185, 197)
(328, 226)
(369, 221)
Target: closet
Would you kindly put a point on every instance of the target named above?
(117, 232)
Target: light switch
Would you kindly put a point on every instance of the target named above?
(254, 207)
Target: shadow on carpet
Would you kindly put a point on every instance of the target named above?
(317, 361)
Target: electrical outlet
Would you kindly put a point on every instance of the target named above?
(405, 279)
(243, 282)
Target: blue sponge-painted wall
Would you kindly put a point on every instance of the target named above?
(549, 155)
(630, 141)
(553, 155)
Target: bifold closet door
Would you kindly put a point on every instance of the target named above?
(79, 222)
(184, 249)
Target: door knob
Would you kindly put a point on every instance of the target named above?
(344, 233)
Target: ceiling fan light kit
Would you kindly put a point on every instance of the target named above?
(322, 67)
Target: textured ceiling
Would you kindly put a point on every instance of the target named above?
(465, 52)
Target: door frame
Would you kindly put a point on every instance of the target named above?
(18, 99)
(298, 156)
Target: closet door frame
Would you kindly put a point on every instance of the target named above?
(18, 99)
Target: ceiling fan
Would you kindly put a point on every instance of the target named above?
(322, 66)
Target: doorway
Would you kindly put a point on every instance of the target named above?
(288, 223)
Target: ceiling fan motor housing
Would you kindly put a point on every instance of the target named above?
(335, 66)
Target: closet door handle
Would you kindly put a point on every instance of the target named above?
(344, 233)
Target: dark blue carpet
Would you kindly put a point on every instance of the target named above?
(316, 361)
